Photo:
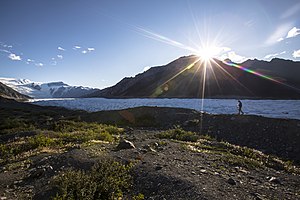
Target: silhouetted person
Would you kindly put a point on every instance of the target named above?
(239, 106)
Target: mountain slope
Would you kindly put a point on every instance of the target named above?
(8, 92)
(184, 78)
(46, 90)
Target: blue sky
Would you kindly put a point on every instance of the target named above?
(97, 43)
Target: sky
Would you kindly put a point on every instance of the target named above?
(96, 43)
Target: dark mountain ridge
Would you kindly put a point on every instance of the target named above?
(10, 93)
(189, 76)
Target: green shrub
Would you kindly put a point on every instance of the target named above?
(75, 185)
(179, 134)
(139, 197)
(80, 137)
(108, 179)
(72, 126)
(40, 140)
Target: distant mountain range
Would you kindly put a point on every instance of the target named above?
(46, 90)
(184, 78)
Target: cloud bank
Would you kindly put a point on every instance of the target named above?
(233, 56)
(293, 32)
(274, 55)
(296, 54)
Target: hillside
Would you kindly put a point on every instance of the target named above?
(46, 90)
(8, 92)
(159, 153)
(184, 78)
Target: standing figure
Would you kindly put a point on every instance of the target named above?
(239, 106)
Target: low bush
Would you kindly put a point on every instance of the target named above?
(108, 179)
(179, 134)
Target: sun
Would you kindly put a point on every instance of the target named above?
(207, 53)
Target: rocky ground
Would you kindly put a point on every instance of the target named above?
(217, 165)
(163, 169)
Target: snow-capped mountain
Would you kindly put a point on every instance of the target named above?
(46, 90)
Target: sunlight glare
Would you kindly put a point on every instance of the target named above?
(209, 52)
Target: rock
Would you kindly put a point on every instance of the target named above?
(275, 180)
(231, 181)
(37, 172)
(148, 148)
(258, 196)
(158, 167)
(3, 198)
(125, 144)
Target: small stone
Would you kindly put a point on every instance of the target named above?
(231, 181)
(3, 198)
(158, 167)
(125, 144)
(148, 148)
(274, 180)
(194, 173)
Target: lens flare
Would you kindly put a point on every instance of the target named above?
(258, 74)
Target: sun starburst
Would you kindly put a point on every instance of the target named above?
(207, 53)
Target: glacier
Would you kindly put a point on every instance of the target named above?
(268, 108)
(41, 90)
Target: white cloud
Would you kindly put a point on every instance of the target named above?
(76, 47)
(280, 39)
(226, 49)
(274, 55)
(60, 56)
(293, 32)
(278, 34)
(39, 64)
(28, 61)
(13, 56)
(146, 69)
(296, 54)
(84, 51)
(233, 57)
(5, 51)
(91, 49)
(6, 46)
(60, 48)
